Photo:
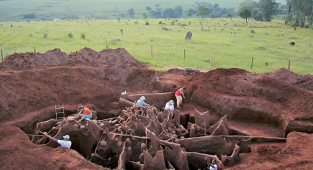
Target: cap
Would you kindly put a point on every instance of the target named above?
(66, 137)
(142, 98)
(171, 101)
(80, 107)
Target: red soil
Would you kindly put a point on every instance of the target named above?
(270, 105)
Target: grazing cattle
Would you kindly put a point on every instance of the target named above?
(292, 43)
(252, 31)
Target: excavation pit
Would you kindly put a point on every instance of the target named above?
(268, 113)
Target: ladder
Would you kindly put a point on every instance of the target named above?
(59, 112)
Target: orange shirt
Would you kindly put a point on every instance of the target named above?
(86, 111)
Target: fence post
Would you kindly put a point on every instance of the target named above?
(289, 66)
(151, 50)
(252, 63)
(214, 59)
(184, 54)
(1, 55)
(107, 45)
(34, 49)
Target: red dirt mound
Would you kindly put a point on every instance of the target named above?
(301, 81)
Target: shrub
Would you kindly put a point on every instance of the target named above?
(83, 36)
(45, 35)
(147, 23)
(70, 35)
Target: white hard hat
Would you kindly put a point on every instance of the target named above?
(66, 137)
(142, 98)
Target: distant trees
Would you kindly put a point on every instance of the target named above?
(169, 13)
(189, 14)
(156, 14)
(131, 12)
(148, 8)
(158, 7)
(245, 13)
(214, 14)
(203, 10)
(267, 7)
(173, 13)
(300, 12)
(262, 10)
(179, 10)
(30, 16)
(230, 14)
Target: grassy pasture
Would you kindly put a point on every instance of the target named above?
(269, 46)
(14, 10)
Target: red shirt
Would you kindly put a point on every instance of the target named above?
(179, 92)
(86, 111)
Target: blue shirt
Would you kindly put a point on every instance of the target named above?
(141, 102)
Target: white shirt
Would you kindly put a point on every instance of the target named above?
(168, 106)
(215, 167)
(65, 143)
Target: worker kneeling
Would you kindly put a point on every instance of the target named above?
(84, 113)
(141, 101)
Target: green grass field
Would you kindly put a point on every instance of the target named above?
(269, 44)
(14, 10)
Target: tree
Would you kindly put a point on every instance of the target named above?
(157, 6)
(231, 14)
(169, 13)
(267, 7)
(249, 4)
(257, 14)
(156, 14)
(148, 9)
(245, 13)
(203, 10)
(178, 10)
(145, 15)
(214, 14)
(189, 14)
(131, 12)
(30, 16)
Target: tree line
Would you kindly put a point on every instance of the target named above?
(200, 9)
(298, 12)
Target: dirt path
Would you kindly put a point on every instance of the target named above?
(11, 40)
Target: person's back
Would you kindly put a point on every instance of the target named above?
(65, 143)
(170, 105)
(141, 101)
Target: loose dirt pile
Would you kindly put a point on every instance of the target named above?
(270, 105)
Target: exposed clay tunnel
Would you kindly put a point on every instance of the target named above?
(230, 115)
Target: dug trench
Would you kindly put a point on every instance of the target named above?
(242, 120)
